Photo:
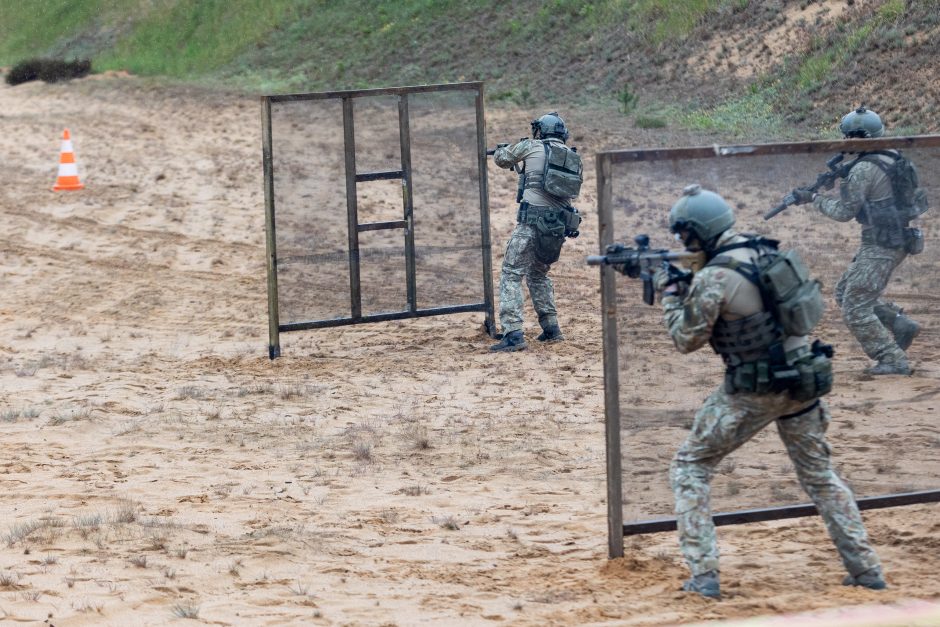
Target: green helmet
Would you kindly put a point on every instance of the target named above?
(862, 123)
(549, 125)
(701, 213)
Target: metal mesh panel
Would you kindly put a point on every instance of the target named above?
(312, 243)
(884, 434)
(449, 253)
(376, 205)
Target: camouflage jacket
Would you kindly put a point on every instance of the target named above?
(532, 153)
(864, 183)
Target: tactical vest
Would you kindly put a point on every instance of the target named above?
(752, 347)
(887, 219)
(562, 174)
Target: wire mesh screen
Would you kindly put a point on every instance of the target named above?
(884, 433)
(448, 229)
(312, 242)
(377, 206)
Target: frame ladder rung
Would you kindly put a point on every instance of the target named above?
(387, 175)
(381, 226)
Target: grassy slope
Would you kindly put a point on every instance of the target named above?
(632, 52)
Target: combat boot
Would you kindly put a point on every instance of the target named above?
(890, 367)
(551, 334)
(512, 341)
(871, 579)
(705, 584)
(905, 330)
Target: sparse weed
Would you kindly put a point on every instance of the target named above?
(389, 516)
(285, 392)
(86, 607)
(69, 416)
(12, 415)
(181, 610)
(649, 121)
(446, 522)
(362, 451)
(300, 589)
(125, 512)
(627, 100)
(8, 579)
(31, 595)
(140, 561)
(417, 436)
(255, 388)
(189, 391)
(415, 490)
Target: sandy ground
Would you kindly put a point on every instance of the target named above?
(158, 468)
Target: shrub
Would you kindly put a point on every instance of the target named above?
(48, 70)
(648, 121)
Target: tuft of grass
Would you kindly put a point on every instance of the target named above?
(125, 512)
(186, 610)
(417, 436)
(448, 522)
(140, 561)
(362, 451)
(74, 415)
(649, 121)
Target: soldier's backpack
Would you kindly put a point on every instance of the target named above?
(562, 174)
(910, 199)
(793, 297)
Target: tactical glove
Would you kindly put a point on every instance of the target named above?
(661, 280)
(802, 196)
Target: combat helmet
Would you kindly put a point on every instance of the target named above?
(549, 125)
(862, 123)
(704, 215)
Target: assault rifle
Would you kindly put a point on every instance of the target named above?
(492, 151)
(641, 262)
(826, 180)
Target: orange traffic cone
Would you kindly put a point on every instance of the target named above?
(68, 169)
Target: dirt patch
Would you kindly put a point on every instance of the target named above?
(157, 465)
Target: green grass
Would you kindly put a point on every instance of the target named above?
(36, 28)
(197, 38)
(529, 53)
(668, 20)
(752, 114)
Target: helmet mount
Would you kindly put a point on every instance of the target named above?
(861, 122)
(549, 125)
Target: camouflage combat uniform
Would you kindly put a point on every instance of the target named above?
(859, 291)
(728, 420)
(520, 260)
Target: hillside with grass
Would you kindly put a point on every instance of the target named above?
(738, 67)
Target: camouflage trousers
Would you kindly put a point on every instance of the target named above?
(725, 422)
(520, 262)
(858, 294)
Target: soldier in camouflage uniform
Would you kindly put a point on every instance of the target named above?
(723, 307)
(523, 258)
(880, 327)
